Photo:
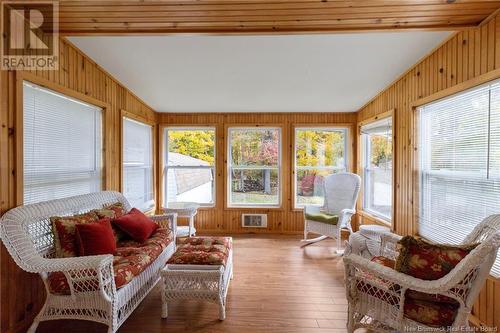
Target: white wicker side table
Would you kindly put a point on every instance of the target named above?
(187, 210)
(366, 242)
(204, 282)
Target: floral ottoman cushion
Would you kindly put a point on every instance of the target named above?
(202, 251)
(131, 259)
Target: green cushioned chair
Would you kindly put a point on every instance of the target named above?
(340, 194)
(323, 217)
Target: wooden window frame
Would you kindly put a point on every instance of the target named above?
(293, 160)
(227, 148)
(361, 161)
(349, 146)
(163, 151)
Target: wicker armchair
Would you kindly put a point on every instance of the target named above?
(27, 234)
(377, 303)
(341, 193)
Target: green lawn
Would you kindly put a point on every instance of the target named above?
(254, 198)
(259, 198)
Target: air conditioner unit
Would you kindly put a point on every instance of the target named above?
(254, 220)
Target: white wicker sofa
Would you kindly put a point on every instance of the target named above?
(26, 232)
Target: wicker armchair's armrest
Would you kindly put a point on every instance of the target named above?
(345, 218)
(311, 209)
(390, 238)
(388, 245)
(168, 220)
(347, 211)
(84, 274)
(369, 268)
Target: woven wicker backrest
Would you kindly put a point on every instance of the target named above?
(341, 191)
(489, 226)
(26, 230)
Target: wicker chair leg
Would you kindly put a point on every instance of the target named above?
(222, 309)
(350, 320)
(164, 310)
(306, 242)
(33, 326)
(339, 250)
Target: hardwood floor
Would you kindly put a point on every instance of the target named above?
(278, 287)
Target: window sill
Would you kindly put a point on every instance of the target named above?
(201, 207)
(275, 208)
(375, 219)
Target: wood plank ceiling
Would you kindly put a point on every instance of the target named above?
(268, 16)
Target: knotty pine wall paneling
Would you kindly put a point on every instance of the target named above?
(285, 219)
(467, 58)
(22, 294)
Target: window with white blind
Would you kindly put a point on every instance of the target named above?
(459, 142)
(377, 168)
(62, 145)
(138, 164)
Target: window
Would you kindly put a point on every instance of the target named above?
(62, 145)
(254, 166)
(190, 165)
(377, 168)
(319, 152)
(138, 164)
(459, 156)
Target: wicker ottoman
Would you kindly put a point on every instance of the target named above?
(200, 268)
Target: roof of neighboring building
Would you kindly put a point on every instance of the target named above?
(188, 179)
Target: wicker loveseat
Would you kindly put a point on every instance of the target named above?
(88, 284)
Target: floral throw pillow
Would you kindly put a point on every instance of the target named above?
(64, 231)
(429, 261)
(112, 212)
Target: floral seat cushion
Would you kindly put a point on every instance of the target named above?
(433, 314)
(202, 251)
(131, 259)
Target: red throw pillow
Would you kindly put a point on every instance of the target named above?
(64, 231)
(136, 225)
(95, 238)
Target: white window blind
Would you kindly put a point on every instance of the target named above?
(138, 164)
(460, 163)
(62, 145)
